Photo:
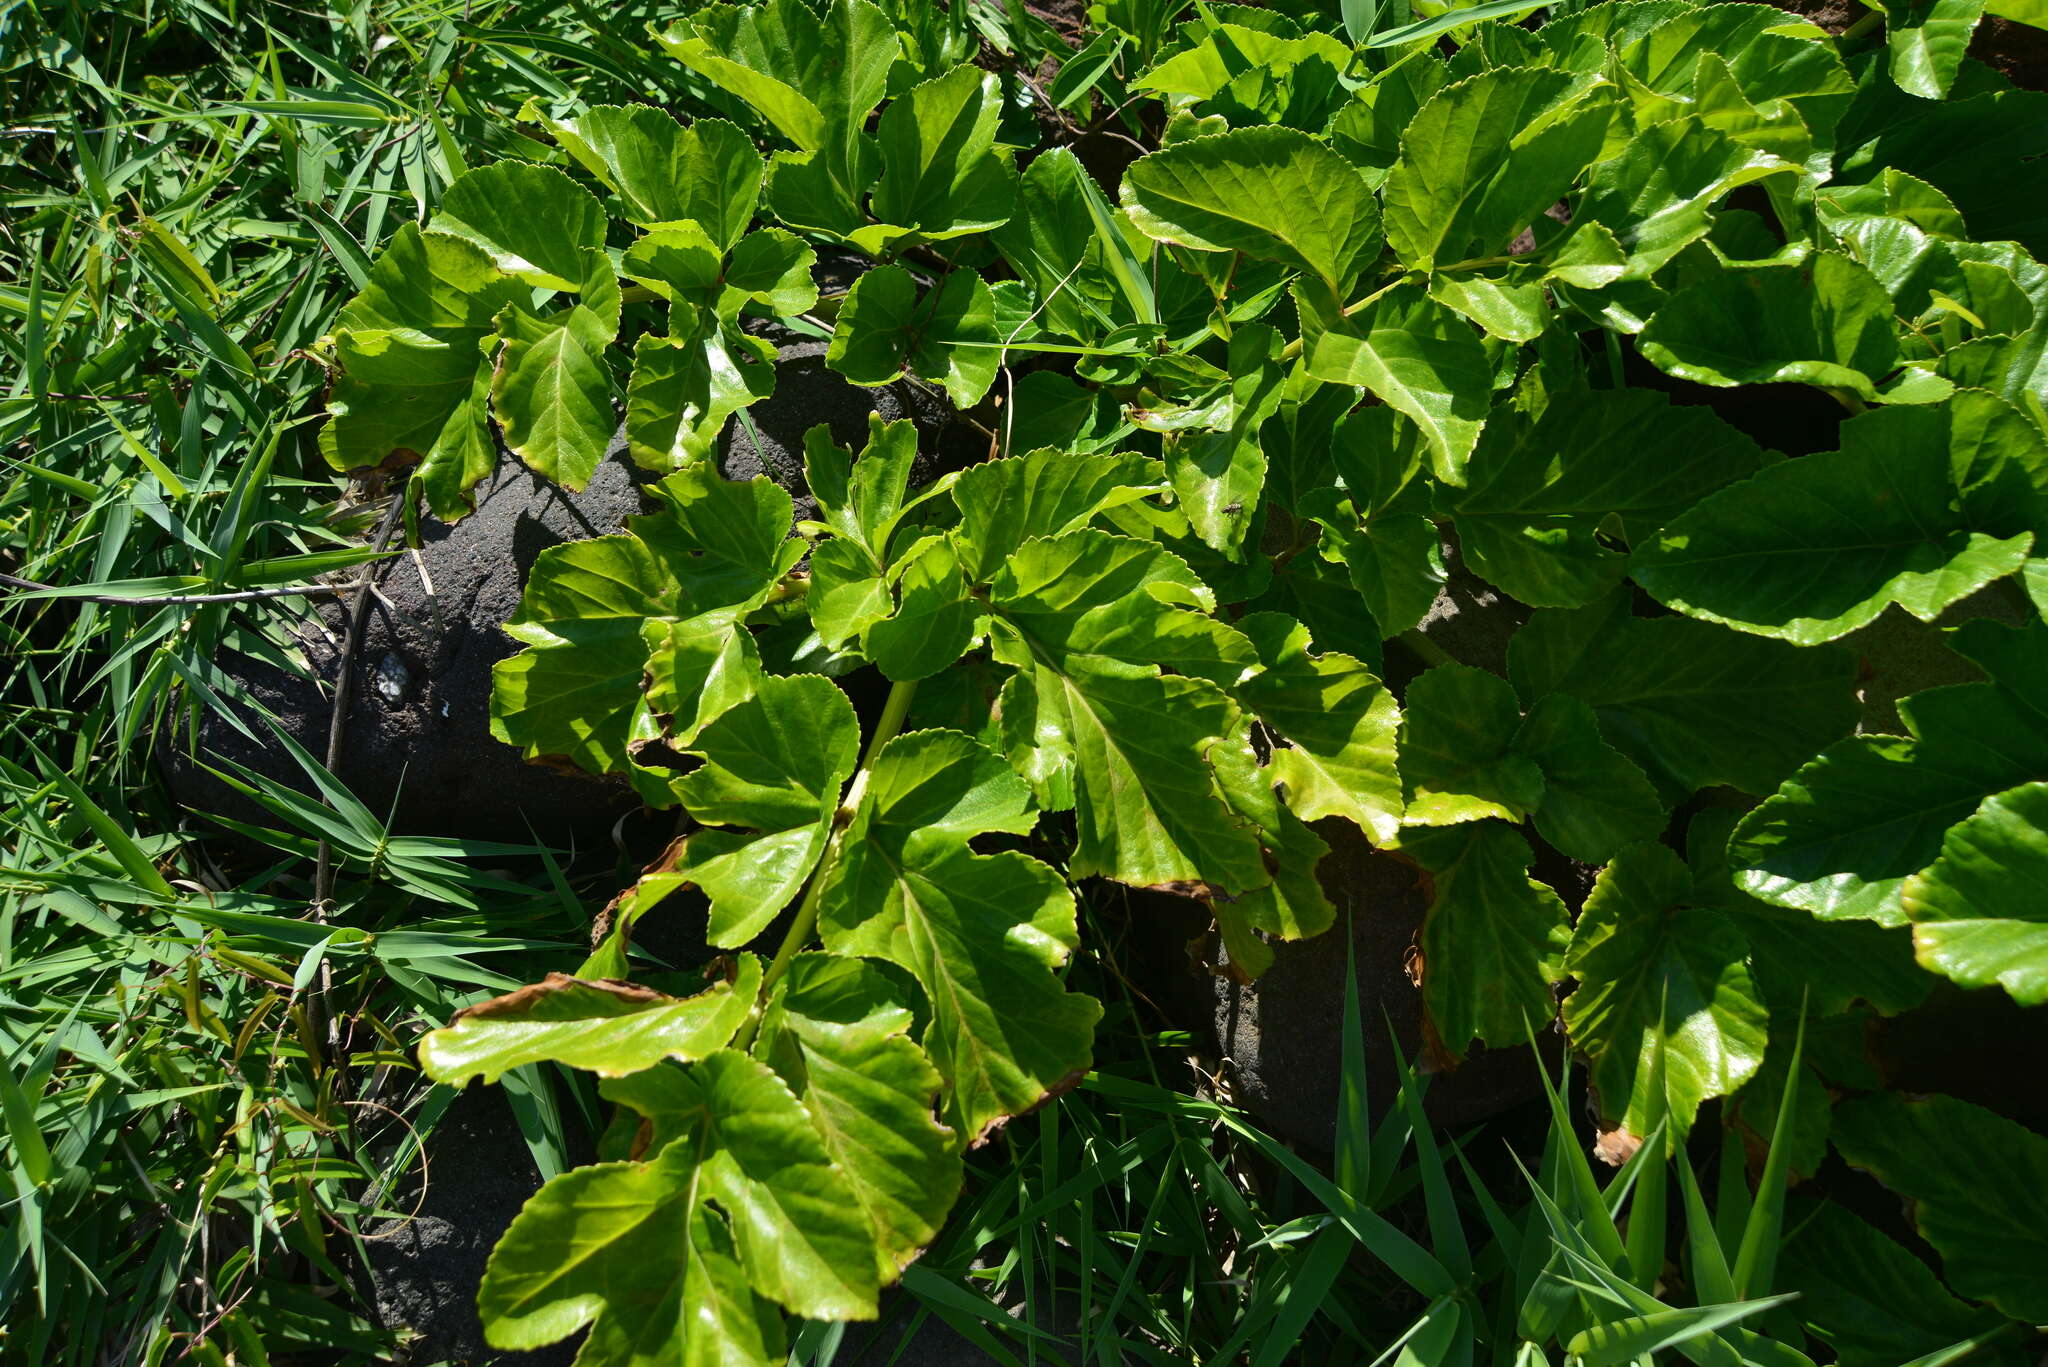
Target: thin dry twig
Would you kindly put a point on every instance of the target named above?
(324, 1025)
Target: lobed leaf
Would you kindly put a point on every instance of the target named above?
(1975, 1183)
(1484, 157)
(1825, 321)
(1494, 939)
(610, 1028)
(1269, 192)
(1977, 912)
(1664, 996)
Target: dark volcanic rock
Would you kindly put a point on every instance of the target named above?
(1472, 620)
(1282, 1038)
(808, 393)
(418, 731)
(425, 1268)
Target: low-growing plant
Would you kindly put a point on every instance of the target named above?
(188, 193)
(1384, 299)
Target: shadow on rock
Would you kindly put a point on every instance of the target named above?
(425, 1268)
(418, 742)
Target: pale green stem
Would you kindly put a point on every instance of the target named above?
(1869, 21)
(1429, 651)
(894, 711)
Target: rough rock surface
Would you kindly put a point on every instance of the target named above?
(426, 1268)
(1282, 1037)
(769, 437)
(1472, 620)
(418, 731)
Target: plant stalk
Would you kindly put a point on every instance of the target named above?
(327, 1030)
(1425, 649)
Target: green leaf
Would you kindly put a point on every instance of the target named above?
(1595, 800)
(947, 336)
(1616, 1343)
(1927, 40)
(813, 76)
(1869, 1299)
(1486, 156)
(1217, 474)
(1980, 152)
(773, 765)
(1429, 28)
(1512, 310)
(1272, 193)
(1977, 912)
(609, 1028)
(814, 192)
(630, 1250)
(1458, 756)
(1494, 940)
(684, 390)
(1658, 196)
(462, 455)
(532, 221)
(1803, 963)
(1293, 905)
(444, 286)
(797, 1228)
(572, 694)
(1115, 604)
(709, 173)
(1693, 705)
(1395, 563)
(932, 622)
(1825, 321)
(411, 347)
(1044, 494)
(406, 391)
(1055, 245)
(1417, 356)
(1844, 832)
(1658, 977)
(1537, 493)
(679, 262)
(940, 176)
(1368, 130)
(942, 783)
(2014, 368)
(1664, 55)
(837, 1031)
(1894, 194)
(1211, 66)
(860, 500)
(772, 267)
(696, 670)
(731, 535)
(847, 594)
(553, 390)
(1978, 1187)
(1340, 723)
(576, 690)
(982, 934)
(1811, 549)
(1134, 750)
